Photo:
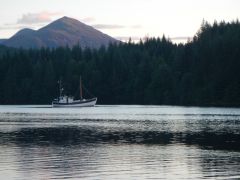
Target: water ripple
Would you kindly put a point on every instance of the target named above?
(119, 142)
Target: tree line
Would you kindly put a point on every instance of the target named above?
(205, 71)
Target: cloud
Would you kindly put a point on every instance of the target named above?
(115, 26)
(35, 18)
(137, 26)
(12, 26)
(6, 28)
(126, 38)
(88, 19)
(31, 20)
(181, 38)
(108, 26)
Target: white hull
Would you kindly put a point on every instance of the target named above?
(79, 103)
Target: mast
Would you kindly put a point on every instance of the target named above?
(81, 97)
(60, 88)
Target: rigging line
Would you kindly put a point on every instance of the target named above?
(87, 91)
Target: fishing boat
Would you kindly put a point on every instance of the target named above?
(68, 101)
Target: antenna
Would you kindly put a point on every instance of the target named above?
(81, 97)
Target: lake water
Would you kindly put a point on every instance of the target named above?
(119, 142)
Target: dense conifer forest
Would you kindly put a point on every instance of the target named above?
(203, 72)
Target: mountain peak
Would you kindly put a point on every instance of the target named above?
(65, 31)
(63, 23)
(66, 19)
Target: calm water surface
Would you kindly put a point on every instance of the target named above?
(119, 142)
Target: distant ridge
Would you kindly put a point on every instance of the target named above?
(1, 40)
(62, 32)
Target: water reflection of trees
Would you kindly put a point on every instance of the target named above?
(63, 136)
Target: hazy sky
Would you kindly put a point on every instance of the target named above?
(122, 18)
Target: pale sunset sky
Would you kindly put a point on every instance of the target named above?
(177, 19)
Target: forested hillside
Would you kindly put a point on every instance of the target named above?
(205, 71)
